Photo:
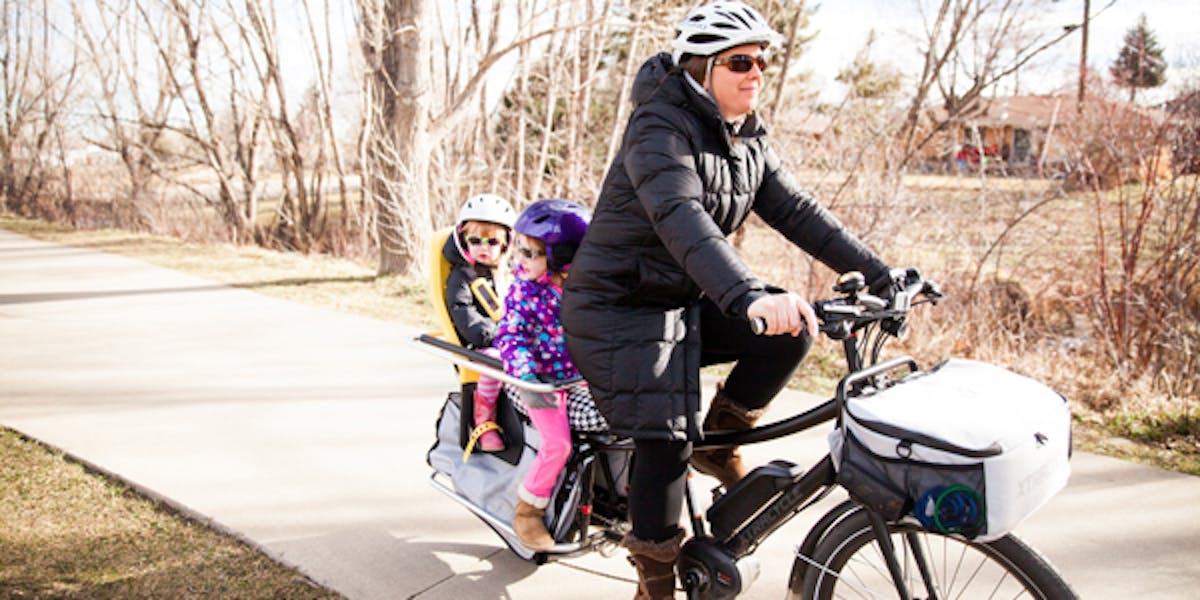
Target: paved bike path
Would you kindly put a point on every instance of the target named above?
(304, 431)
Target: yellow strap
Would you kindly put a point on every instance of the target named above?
(479, 430)
(486, 295)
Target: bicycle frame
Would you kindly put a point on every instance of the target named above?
(745, 515)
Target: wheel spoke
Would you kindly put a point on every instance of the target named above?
(851, 563)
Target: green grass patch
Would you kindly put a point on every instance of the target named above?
(1126, 438)
(1165, 428)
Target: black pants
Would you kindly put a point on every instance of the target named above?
(764, 364)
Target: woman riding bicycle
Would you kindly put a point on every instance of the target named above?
(657, 291)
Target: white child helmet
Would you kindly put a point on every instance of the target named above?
(488, 208)
(716, 27)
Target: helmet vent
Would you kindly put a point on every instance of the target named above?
(704, 38)
(731, 16)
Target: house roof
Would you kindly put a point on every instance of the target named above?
(1034, 112)
(1024, 112)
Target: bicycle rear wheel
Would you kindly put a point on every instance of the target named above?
(849, 563)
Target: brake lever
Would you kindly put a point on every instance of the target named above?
(931, 289)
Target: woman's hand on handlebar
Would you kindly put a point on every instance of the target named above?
(784, 313)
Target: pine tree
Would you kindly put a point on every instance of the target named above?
(1140, 63)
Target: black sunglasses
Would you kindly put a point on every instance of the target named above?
(475, 240)
(742, 63)
(529, 253)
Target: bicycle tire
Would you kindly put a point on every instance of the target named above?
(849, 564)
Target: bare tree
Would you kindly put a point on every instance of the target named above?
(1147, 273)
(393, 33)
(109, 34)
(796, 17)
(635, 32)
(325, 99)
(301, 210)
(971, 43)
(183, 39)
(220, 88)
(36, 92)
(402, 130)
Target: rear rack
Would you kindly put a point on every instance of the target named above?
(482, 363)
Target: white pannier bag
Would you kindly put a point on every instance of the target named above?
(967, 448)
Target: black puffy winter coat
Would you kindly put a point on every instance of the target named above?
(682, 181)
(475, 328)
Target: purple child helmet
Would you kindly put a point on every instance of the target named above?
(560, 224)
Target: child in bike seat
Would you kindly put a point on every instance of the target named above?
(477, 250)
(531, 344)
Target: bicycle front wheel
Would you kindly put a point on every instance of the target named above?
(849, 563)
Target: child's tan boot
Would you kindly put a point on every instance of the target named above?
(530, 526)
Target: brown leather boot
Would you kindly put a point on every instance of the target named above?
(725, 415)
(529, 524)
(655, 563)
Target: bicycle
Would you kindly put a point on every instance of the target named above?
(851, 551)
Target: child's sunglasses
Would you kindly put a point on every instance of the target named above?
(529, 253)
(475, 240)
(742, 63)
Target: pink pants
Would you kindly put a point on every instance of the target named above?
(552, 426)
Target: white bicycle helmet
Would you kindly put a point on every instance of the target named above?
(488, 208)
(719, 26)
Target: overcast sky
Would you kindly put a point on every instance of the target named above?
(843, 25)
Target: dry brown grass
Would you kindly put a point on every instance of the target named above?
(322, 280)
(1017, 260)
(68, 533)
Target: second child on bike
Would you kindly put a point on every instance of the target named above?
(530, 341)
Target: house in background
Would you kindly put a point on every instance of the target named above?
(1041, 135)
(1010, 134)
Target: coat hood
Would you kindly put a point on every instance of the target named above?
(659, 81)
(452, 253)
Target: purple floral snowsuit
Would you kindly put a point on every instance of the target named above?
(531, 343)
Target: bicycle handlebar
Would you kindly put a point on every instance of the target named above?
(855, 308)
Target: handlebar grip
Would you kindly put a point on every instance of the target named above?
(758, 325)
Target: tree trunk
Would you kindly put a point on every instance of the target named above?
(400, 145)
